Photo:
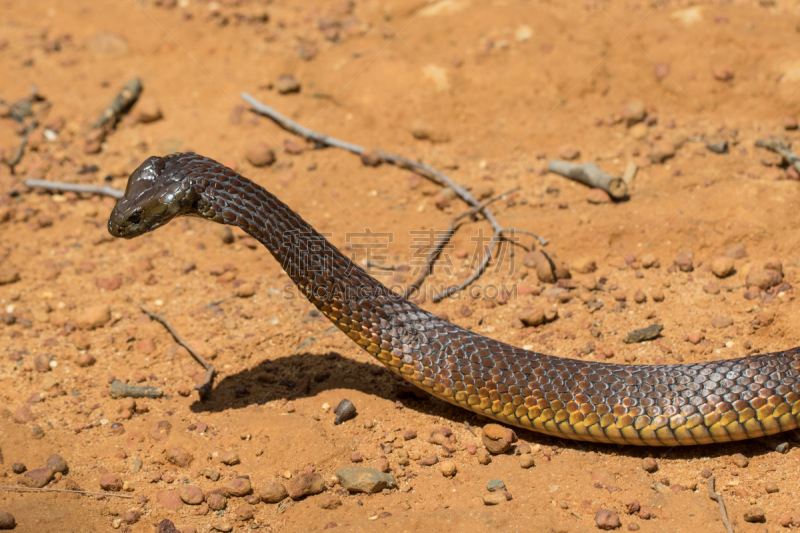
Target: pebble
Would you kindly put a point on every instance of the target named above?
(722, 73)
(649, 260)
(632, 506)
(722, 267)
(37, 478)
(344, 412)
(8, 276)
(639, 297)
(381, 464)
(736, 252)
(111, 483)
(244, 512)
(644, 334)
(287, 84)
(371, 158)
(606, 519)
(328, 502)
(356, 457)
(498, 439)
(482, 191)
(496, 498)
(273, 492)
(495, 485)
(661, 151)
(721, 322)
(429, 461)
(598, 196)
(178, 456)
(216, 501)
(410, 434)
(259, 154)
(131, 517)
(239, 487)
(649, 465)
(484, 458)
(763, 278)
(790, 123)
(448, 468)
(719, 147)
(740, 460)
(93, 317)
(584, 265)
(305, 484)
(7, 520)
(229, 458)
(568, 152)
(148, 110)
(56, 463)
(658, 295)
(755, 514)
(42, 363)
(169, 500)
(191, 494)
(84, 360)
(661, 70)
(634, 113)
(532, 316)
(221, 525)
(771, 488)
(18, 468)
(368, 480)
(159, 431)
(684, 261)
(526, 461)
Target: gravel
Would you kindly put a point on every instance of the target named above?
(498, 439)
(344, 412)
(273, 492)
(369, 480)
(649, 465)
(191, 494)
(305, 484)
(7, 520)
(495, 485)
(607, 520)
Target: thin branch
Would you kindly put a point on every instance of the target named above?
(124, 100)
(217, 302)
(32, 125)
(591, 175)
(380, 266)
(205, 387)
(103, 190)
(426, 171)
(718, 498)
(780, 148)
(48, 489)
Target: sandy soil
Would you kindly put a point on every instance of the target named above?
(485, 91)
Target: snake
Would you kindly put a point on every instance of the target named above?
(646, 405)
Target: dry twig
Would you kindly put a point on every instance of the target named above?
(591, 175)
(205, 387)
(48, 489)
(718, 498)
(103, 190)
(321, 140)
(781, 149)
(123, 390)
(121, 104)
(32, 125)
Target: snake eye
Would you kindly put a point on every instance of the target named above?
(135, 217)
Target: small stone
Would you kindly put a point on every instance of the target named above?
(356, 457)
(495, 485)
(7, 520)
(344, 412)
(711, 288)
(178, 456)
(661, 151)
(763, 278)
(328, 502)
(221, 525)
(722, 267)
(371, 158)
(484, 458)
(722, 73)
(720, 322)
(719, 147)
(93, 317)
(216, 501)
(42, 363)
(410, 434)
(635, 112)
(644, 334)
(368, 480)
(790, 123)
(633, 526)
(606, 519)
(736, 252)
(482, 191)
(661, 70)
(684, 261)
(495, 498)
(18, 468)
(598, 196)
(191, 494)
(167, 526)
(649, 260)
(111, 483)
(755, 514)
(8, 276)
(229, 458)
(649, 465)
(39, 478)
(287, 84)
(239, 487)
(148, 110)
(259, 154)
(532, 316)
(740, 460)
(169, 500)
(632, 507)
(771, 488)
(448, 468)
(657, 295)
(273, 492)
(568, 152)
(56, 463)
(159, 431)
(84, 360)
(584, 265)
(305, 485)
(244, 512)
(429, 461)
(498, 439)
(526, 460)
(381, 464)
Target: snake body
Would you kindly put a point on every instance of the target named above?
(658, 405)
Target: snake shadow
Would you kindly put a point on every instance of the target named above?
(308, 374)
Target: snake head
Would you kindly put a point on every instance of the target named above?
(155, 194)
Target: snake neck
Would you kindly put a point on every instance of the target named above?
(327, 277)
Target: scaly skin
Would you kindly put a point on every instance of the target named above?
(660, 405)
